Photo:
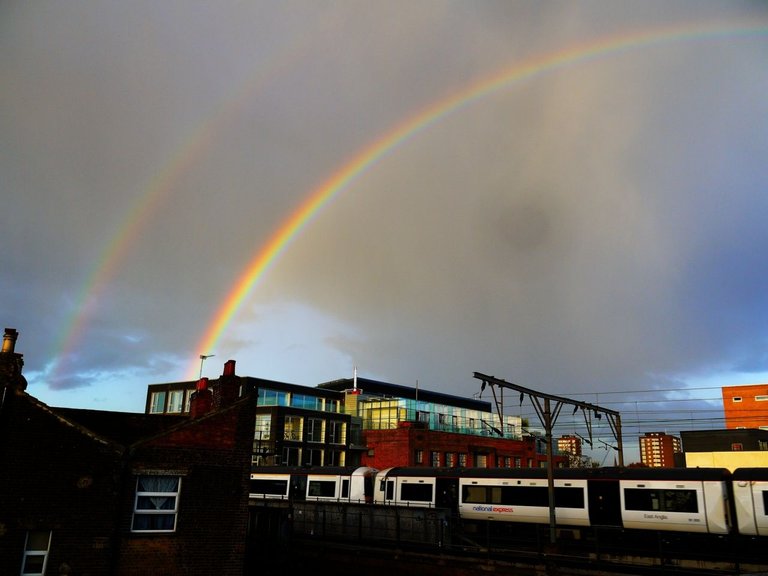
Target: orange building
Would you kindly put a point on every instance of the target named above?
(746, 406)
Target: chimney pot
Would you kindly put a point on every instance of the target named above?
(9, 340)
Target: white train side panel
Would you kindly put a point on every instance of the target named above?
(524, 500)
(679, 505)
(751, 501)
(404, 490)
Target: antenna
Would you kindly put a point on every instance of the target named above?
(203, 358)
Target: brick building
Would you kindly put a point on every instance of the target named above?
(359, 421)
(658, 449)
(746, 406)
(91, 492)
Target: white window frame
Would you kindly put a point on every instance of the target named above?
(761, 398)
(157, 403)
(35, 553)
(175, 401)
(158, 499)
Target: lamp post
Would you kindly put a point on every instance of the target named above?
(203, 358)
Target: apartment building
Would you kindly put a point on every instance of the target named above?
(658, 449)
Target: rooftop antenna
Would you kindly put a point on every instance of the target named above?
(354, 377)
(203, 358)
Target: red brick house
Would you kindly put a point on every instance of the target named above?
(91, 492)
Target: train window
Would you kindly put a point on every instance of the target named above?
(659, 500)
(322, 488)
(765, 502)
(474, 495)
(345, 488)
(569, 497)
(269, 486)
(390, 489)
(416, 492)
(523, 496)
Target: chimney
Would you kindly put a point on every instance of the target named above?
(9, 340)
(228, 389)
(11, 363)
(201, 401)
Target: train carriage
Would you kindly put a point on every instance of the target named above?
(522, 495)
(320, 483)
(417, 486)
(675, 499)
(750, 495)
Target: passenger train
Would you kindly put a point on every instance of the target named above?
(692, 500)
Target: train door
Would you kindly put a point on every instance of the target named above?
(604, 503)
(298, 487)
(447, 493)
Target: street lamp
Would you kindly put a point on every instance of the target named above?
(203, 358)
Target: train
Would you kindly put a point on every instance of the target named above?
(685, 500)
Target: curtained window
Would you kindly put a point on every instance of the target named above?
(157, 504)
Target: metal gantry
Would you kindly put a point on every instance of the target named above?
(543, 404)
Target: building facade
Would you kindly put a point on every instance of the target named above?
(746, 406)
(658, 449)
(729, 448)
(359, 421)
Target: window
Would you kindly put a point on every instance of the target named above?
(565, 497)
(292, 430)
(736, 399)
(434, 459)
(157, 504)
(187, 399)
(272, 397)
(322, 488)
(306, 402)
(416, 492)
(36, 552)
(737, 447)
(291, 456)
(175, 401)
(263, 427)
(463, 459)
(658, 500)
(418, 457)
(761, 398)
(157, 403)
(314, 457)
(314, 430)
(336, 432)
(334, 458)
(450, 459)
(422, 416)
(481, 460)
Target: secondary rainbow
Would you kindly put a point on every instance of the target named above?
(192, 150)
(352, 169)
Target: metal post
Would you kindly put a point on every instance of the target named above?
(550, 470)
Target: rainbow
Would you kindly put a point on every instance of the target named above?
(399, 134)
(154, 195)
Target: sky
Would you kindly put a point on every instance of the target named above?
(569, 196)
